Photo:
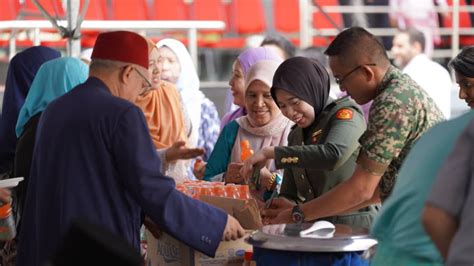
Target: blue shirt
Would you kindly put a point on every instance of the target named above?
(398, 228)
(94, 160)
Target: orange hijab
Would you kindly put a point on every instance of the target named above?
(163, 113)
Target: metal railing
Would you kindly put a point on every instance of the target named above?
(307, 32)
(190, 26)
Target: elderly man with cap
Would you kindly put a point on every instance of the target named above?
(94, 160)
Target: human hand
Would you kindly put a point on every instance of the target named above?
(257, 160)
(5, 195)
(178, 151)
(283, 217)
(152, 227)
(199, 169)
(233, 230)
(267, 180)
(277, 207)
(233, 173)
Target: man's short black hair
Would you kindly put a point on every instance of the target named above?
(358, 45)
(282, 42)
(463, 63)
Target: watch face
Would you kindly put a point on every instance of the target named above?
(297, 217)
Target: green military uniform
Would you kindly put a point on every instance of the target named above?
(399, 115)
(323, 155)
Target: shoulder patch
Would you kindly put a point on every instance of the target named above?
(344, 114)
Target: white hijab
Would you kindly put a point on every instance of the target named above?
(187, 84)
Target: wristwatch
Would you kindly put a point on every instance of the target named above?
(297, 214)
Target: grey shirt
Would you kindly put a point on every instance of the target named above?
(453, 192)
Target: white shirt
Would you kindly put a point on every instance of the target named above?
(434, 79)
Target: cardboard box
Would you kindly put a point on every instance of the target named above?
(245, 211)
(168, 251)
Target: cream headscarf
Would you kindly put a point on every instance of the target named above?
(187, 85)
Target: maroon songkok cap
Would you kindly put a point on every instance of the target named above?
(123, 46)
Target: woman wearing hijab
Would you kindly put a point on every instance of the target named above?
(21, 71)
(240, 68)
(54, 78)
(178, 68)
(264, 125)
(322, 148)
(162, 108)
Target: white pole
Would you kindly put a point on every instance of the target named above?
(12, 47)
(192, 46)
(455, 35)
(36, 37)
(305, 23)
(73, 45)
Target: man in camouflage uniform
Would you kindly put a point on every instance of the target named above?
(401, 112)
(399, 115)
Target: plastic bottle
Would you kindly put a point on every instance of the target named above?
(230, 191)
(244, 192)
(245, 150)
(7, 222)
(198, 164)
(248, 259)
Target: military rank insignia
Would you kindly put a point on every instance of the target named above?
(344, 114)
(315, 136)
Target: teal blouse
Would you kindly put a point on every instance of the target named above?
(220, 156)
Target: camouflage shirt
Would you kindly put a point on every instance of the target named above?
(400, 113)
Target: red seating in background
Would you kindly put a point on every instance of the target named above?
(242, 17)
(286, 16)
(248, 16)
(464, 22)
(320, 21)
(29, 11)
(208, 10)
(97, 10)
(170, 10)
(9, 9)
(53, 7)
(129, 10)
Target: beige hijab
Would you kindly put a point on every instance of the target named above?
(275, 132)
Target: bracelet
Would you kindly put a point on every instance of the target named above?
(273, 178)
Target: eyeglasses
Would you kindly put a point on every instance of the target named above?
(340, 80)
(145, 87)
